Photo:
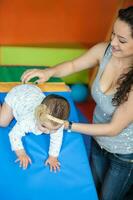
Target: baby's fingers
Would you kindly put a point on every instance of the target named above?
(25, 163)
(46, 163)
(58, 167)
(58, 163)
(21, 163)
(17, 160)
(54, 167)
(51, 168)
(30, 161)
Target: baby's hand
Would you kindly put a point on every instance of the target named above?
(23, 158)
(53, 163)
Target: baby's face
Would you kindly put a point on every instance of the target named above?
(47, 127)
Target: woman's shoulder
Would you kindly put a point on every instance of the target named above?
(102, 45)
(99, 49)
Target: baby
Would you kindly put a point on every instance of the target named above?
(36, 113)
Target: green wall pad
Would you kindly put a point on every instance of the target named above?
(40, 56)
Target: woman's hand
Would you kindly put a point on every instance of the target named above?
(23, 158)
(66, 124)
(42, 74)
(53, 163)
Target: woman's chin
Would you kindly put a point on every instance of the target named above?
(117, 54)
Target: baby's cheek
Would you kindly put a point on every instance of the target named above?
(46, 130)
(42, 129)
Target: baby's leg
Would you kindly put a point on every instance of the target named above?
(6, 115)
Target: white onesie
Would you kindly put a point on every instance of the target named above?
(23, 100)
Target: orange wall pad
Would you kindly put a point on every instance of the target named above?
(41, 22)
(45, 87)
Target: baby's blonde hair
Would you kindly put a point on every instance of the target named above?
(54, 105)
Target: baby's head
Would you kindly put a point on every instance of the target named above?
(52, 112)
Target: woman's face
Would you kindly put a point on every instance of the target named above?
(122, 40)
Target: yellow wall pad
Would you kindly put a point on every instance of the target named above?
(45, 87)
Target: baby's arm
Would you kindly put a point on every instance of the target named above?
(54, 150)
(15, 137)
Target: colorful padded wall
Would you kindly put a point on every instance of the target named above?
(55, 21)
(53, 31)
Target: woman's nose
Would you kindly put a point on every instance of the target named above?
(114, 41)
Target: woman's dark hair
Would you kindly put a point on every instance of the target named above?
(125, 81)
(126, 15)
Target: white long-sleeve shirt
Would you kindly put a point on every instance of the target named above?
(23, 100)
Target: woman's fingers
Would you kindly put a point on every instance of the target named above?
(26, 74)
(43, 75)
(40, 80)
(29, 74)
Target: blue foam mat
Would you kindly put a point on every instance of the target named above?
(74, 181)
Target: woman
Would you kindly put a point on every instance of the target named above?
(112, 128)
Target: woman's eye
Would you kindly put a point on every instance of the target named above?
(122, 41)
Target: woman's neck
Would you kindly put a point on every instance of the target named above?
(123, 63)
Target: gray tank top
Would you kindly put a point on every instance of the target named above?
(123, 142)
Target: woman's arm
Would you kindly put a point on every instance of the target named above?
(122, 117)
(87, 60)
